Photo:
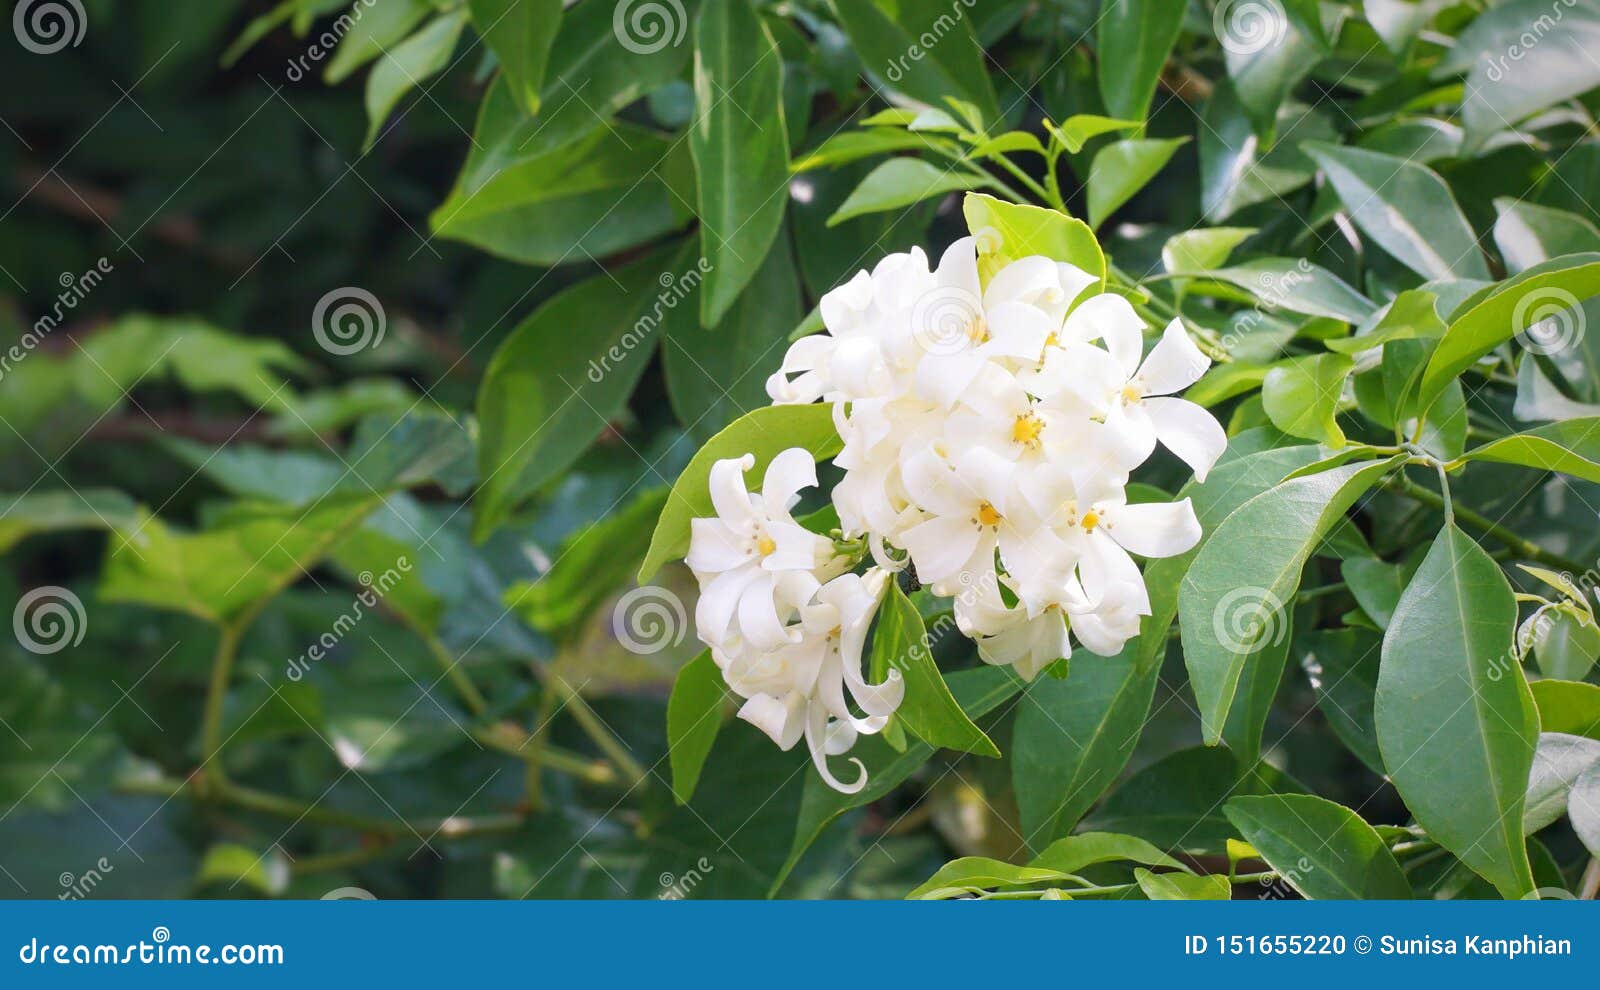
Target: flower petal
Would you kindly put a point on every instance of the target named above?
(1154, 529)
(1174, 363)
(1188, 430)
(790, 471)
(782, 719)
(1111, 318)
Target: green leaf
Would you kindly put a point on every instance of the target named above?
(1073, 737)
(1558, 762)
(694, 718)
(229, 864)
(1456, 722)
(1299, 287)
(408, 65)
(901, 182)
(1520, 58)
(1301, 396)
(1376, 585)
(1236, 171)
(1565, 642)
(1583, 807)
(1023, 231)
(1183, 886)
(1266, 56)
(740, 145)
(379, 28)
(548, 392)
(715, 376)
(1075, 852)
(1203, 248)
(1258, 688)
(1571, 707)
(54, 745)
(23, 515)
(1405, 208)
(900, 642)
(975, 874)
(1570, 446)
(1528, 234)
(1141, 33)
(1410, 315)
(1078, 129)
(1514, 306)
(849, 146)
(1121, 169)
(890, 38)
(1342, 666)
(763, 433)
(1248, 571)
(520, 33)
(1324, 850)
(251, 552)
(978, 691)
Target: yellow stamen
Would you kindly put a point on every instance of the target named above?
(1091, 519)
(987, 515)
(766, 545)
(1026, 429)
(1131, 394)
(978, 331)
(1052, 341)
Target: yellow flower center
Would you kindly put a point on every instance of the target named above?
(978, 330)
(1026, 429)
(987, 515)
(766, 545)
(1090, 520)
(1052, 340)
(1131, 394)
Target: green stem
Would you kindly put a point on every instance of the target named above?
(457, 675)
(1024, 178)
(216, 695)
(1401, 485)
(593, 727)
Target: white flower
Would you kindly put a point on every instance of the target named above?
(754, 563)
(801, 689)
(1133, 398)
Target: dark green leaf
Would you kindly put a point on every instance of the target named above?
(1324, 850)
(694, 718)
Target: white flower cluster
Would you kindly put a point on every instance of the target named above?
(989, 431)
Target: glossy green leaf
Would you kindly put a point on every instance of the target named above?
(1247, 572)
(900, 182)
(1141, 33)
(408, 65)
(229, 865)
(380, 27)
(1074, 853)
(520, 33)
(694, 718)
(33, 512)
(1299, 287)
(1183, 886)
(1203, 248)
(1078, 129)
(740, 145)
(1456, 723)
(1237, 171)
(1558, 761)
(1571, 707)
(1519, 305)
(1342, 666)
(1121, 169)
(890, 36)
(1301, 396)
(549, 392)
(1267, 54)
(929, 711)
(974, 874)
(1258, 689)
(1528, 234)
(1029, 230)
(1324, 850)
(1410, 315)
(1583, 807)
(1565, 642)
(763, 433)
(1405, 208)
(1570, 446)
(1522, 57)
